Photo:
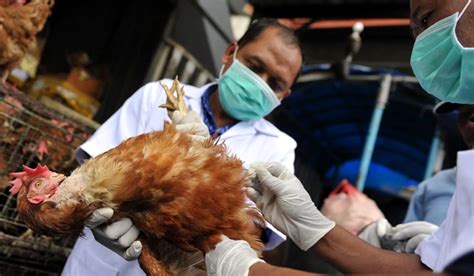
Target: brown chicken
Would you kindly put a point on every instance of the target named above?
(180, 194)
(20, 21)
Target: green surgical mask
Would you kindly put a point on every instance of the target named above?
(243, 94)
(442, 65)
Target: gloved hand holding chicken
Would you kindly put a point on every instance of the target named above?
(182, 194)
(403, 238)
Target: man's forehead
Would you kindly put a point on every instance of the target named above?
(270, 34)
(273, 41)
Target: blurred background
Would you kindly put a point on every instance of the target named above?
(92, 55)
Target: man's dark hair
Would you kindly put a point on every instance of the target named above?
(259, 25)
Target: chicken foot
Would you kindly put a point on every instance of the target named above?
(174, 102)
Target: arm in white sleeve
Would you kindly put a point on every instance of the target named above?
(139, 114)
(289, 160)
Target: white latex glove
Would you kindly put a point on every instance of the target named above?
(286, 204)
(231, 257)
(412, 233)
(373, 232)
(120, 236)
(191, 124)
(402, 238)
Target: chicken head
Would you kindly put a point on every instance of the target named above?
(41, 183)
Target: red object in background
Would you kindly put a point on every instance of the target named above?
(344, 187)
(350, 208)
(298, 23)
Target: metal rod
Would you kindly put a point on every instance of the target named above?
(435, 144)
(394, 79)
(325, 76)
(369, 146)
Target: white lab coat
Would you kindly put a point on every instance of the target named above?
(454, 237)
(251, 141)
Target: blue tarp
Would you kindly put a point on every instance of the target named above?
(329, 119)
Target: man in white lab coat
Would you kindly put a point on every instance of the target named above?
(257, 74)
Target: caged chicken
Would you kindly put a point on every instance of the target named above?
(181, 193)
(54, 144)
(20, 21)
(25, 137)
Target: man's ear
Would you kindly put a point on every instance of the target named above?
(229, 52)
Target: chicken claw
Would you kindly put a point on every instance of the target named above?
(174, 102)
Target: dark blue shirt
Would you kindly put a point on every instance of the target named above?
(208, 120)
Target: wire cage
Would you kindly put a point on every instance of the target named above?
(31, 134)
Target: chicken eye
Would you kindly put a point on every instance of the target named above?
(37, 184)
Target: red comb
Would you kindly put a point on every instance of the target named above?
(21, 176)
(344, 187)
(17, 183)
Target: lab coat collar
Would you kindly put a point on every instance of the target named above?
(240, 129)
(251, 128)
(197, 93)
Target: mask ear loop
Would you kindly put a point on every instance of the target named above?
(464, 9)
(221, 71)
(234, 57)
(459, 18)
(237, 48)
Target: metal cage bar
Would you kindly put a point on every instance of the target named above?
(31, 134)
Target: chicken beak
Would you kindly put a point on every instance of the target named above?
(37, 199)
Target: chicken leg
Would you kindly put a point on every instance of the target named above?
(173, 102)
(150, 264)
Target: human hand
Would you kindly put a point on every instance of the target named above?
(412, 233)
(352, 211)
(286, 204)
(374, 232)
(402, 238)
(230, 257)
(191, 124)
(120, 236)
